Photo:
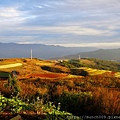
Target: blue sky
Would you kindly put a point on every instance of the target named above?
(73, 23)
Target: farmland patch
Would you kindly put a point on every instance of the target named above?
(10, 65)
(48, 75)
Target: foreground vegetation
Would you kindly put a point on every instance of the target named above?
(82, 92)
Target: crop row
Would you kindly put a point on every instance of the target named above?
(93, 72)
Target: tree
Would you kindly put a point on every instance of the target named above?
(13, 85)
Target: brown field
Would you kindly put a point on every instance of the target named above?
(48, 75)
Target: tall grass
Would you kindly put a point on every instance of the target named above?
(106, 101)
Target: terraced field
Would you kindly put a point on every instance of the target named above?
(10, 65)
(48, 75)
(117, 74)
(93, 72)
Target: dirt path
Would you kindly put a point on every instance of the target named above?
(10, 65)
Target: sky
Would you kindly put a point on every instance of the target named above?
(69, 23)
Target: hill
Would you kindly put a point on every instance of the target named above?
(105, 54)
(13, 50)
(44, 87)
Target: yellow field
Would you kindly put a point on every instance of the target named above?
(92, 71)
(10, 65)
(117, 74)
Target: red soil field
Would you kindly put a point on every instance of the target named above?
(48, 75)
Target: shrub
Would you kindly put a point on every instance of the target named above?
(80, 72)
(76, 103)
(11, 104)
(106, 101)
(66, 64)
(52, 69)
(13, 85)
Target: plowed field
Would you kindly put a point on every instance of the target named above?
(49, 75)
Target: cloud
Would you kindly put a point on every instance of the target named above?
(10, 16)
(17, 39)
(94, 4)
(99, 45)
(66, 22)
(39, 6)
(75, 30)
(8, 12)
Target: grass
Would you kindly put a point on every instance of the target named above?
(47, 63)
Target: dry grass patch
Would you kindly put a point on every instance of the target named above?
(107, 101)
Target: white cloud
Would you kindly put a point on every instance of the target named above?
(37, 40)
(75, 30)
(18, 39)
(99, 45)
(9, 12)
(66, 22)
(39, 6)
(11, 16)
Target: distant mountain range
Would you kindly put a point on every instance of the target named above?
(105, 54)
(13, 50)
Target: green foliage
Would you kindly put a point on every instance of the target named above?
(80, 72)
(66, 64)
(73, 63)
(13, 85)
(99, 64)
(49, 110)
(54, 113)
(52, 69)
(76, 103)
(105, 64)
(4, 74)
(13, 105)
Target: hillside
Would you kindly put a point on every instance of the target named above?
(105, 54)
(47, 89)
(52, 69)
(13, 50)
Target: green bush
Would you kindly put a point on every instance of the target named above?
(105, 64)
(76, 103)
(72, 63)
(80, 72)
(52, 69)
(13, 85)
(66, 64)
(49, 111)
(5, 74)
(11, 104)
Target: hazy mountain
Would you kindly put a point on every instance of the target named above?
(13, 50)
(105, 54)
